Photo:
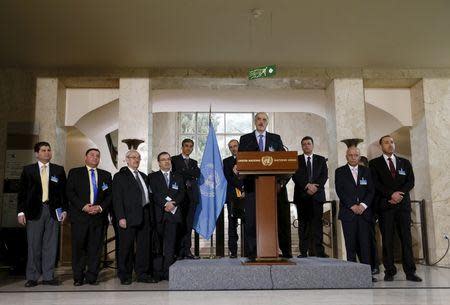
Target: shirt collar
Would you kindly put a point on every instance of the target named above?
(89, 168)
(257, 134)
(166, 171)
(386, 157)
(184, 156)
(306, 157)
(353, 167)
(132, 170)
(42, 164)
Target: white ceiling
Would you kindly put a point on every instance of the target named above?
(225, 33)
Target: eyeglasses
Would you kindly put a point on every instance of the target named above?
(135, 158)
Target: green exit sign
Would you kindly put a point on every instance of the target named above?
(262, 72)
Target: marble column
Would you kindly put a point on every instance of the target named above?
(135, 119)
(50, 123)
(50, 115)
(345, 119)
(430, 145)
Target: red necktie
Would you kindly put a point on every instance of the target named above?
(391, 168)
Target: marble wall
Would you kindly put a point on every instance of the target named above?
(17, 104)
(430, 144)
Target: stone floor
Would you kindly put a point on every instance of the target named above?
(435, 289)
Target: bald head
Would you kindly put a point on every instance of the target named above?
(353, 155)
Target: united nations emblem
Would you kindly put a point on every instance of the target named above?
(267, 160)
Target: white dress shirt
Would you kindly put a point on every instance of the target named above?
(264, 134)
(144, 186)
(354, 170)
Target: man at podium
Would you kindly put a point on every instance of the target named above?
(260, 140)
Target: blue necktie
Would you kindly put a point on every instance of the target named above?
(261, 143)
(94, 184)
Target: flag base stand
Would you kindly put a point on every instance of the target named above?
(267, 261)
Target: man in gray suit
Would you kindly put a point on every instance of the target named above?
(41, 206)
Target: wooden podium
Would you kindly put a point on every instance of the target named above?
(266, 167)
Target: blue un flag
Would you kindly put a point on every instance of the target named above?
(213, 187)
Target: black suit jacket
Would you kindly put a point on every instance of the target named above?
(127, 198)
(160, 192)
(29, 199)
(189, 173)
(248, 142)
(319, 176)
(351, 193)
(385, 185)
(233, 180)
(78, 194)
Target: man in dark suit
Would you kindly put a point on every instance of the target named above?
(168, 191)
(235, 197)
(187, 168)
(394, 179)
(89, 193)
(355, 189)
(131, 202)
(41, 205)
(309, 196)
(374, 261)
(262, 140)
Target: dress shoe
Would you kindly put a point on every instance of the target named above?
(190, 256)
(125, 282)
(413, 278)
(374, 280)
(251, 259)
(302, 255)
(388, 278)
(78, 283)
(93, 283)
(285, 255)
(233, 255)
(375, 271)
(52, 282)
(31, 283)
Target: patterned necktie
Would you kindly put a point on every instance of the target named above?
(44, 182)
(94, 185)
(309, 169)
(166, 176)
(136, 176)
(261, 143)
(391, 167)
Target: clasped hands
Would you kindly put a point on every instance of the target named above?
(91, 209)
(169, 206)
(311, 188)
(396, 197)
(358, 209)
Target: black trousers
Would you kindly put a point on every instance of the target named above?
(374, 260)
(284, 223)
(310, 224)
(185, 229)
(139, 235)
(87, 246)
(389, 221)
(356, 235)
(167, 232)
(233, 236)
(250, 224)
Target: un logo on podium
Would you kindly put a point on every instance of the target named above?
(267, 160)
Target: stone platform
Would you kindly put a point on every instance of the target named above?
(230, 274)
